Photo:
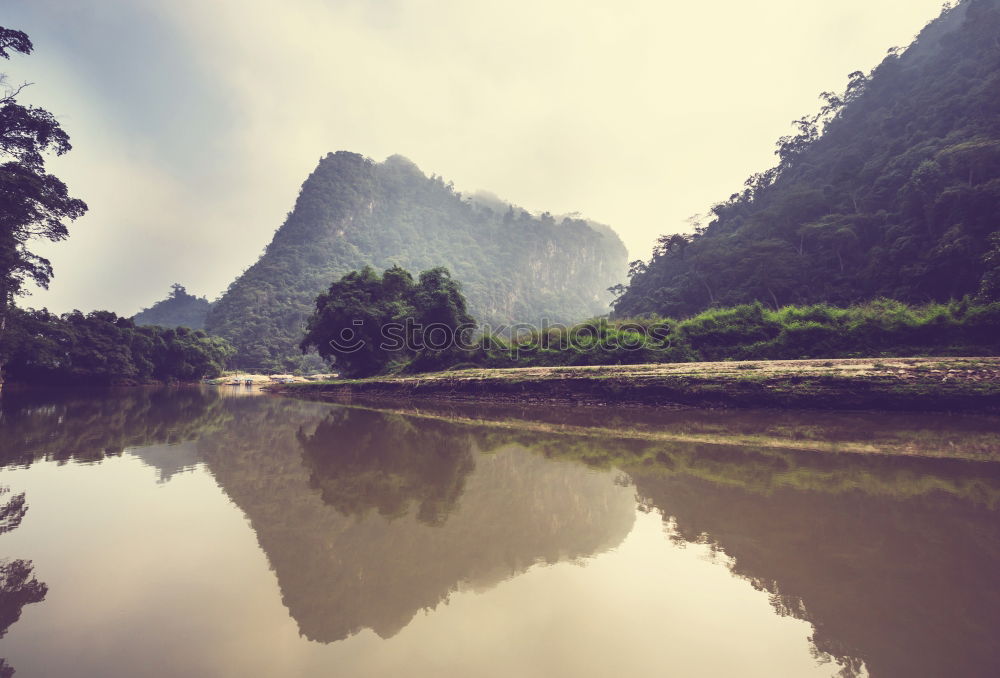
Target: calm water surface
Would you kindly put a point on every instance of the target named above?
(219, 533)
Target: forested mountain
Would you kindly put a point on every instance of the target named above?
(353, 212)
(892, 189)
(179, 309)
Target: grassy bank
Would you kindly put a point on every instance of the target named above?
(880, 328)
(917, 384)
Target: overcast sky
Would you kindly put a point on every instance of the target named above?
(194, 122)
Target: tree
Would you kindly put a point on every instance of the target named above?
(33, 204)
(441, 314)
(347, 327)
(365, 322)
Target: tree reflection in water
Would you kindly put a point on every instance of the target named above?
(364, 460)
(18, 585)
(85, 426)
(12, 511)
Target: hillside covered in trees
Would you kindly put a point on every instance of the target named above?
(891, 190)
(179, 309)
(353, 212)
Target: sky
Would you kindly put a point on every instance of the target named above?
(195, 122)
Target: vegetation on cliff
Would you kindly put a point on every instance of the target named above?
(891, 190)
(353, 212)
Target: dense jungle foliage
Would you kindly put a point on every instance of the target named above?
(179, 309)
(879, 328)
(353, 212)
(891, 190)
(101, 349)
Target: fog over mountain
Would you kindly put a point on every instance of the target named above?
(193, 123)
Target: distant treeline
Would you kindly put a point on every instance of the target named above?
(102, 349)
(879, 328)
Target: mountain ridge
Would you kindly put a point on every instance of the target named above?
(352, 212)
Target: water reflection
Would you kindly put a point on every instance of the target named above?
(368, 517)
(12, 510)
(361, 461)
(972, 437)
(89, 426)
(18, 585)
(907, 586)
(893, 560)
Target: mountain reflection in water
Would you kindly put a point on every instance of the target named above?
(369, 517)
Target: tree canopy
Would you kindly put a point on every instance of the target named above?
(366, 322)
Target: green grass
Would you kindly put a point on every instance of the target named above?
(882, 328)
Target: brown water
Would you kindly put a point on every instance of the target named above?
(195, 533)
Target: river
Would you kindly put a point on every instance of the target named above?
(204, 532)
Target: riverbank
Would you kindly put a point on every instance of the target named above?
(900, 384)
